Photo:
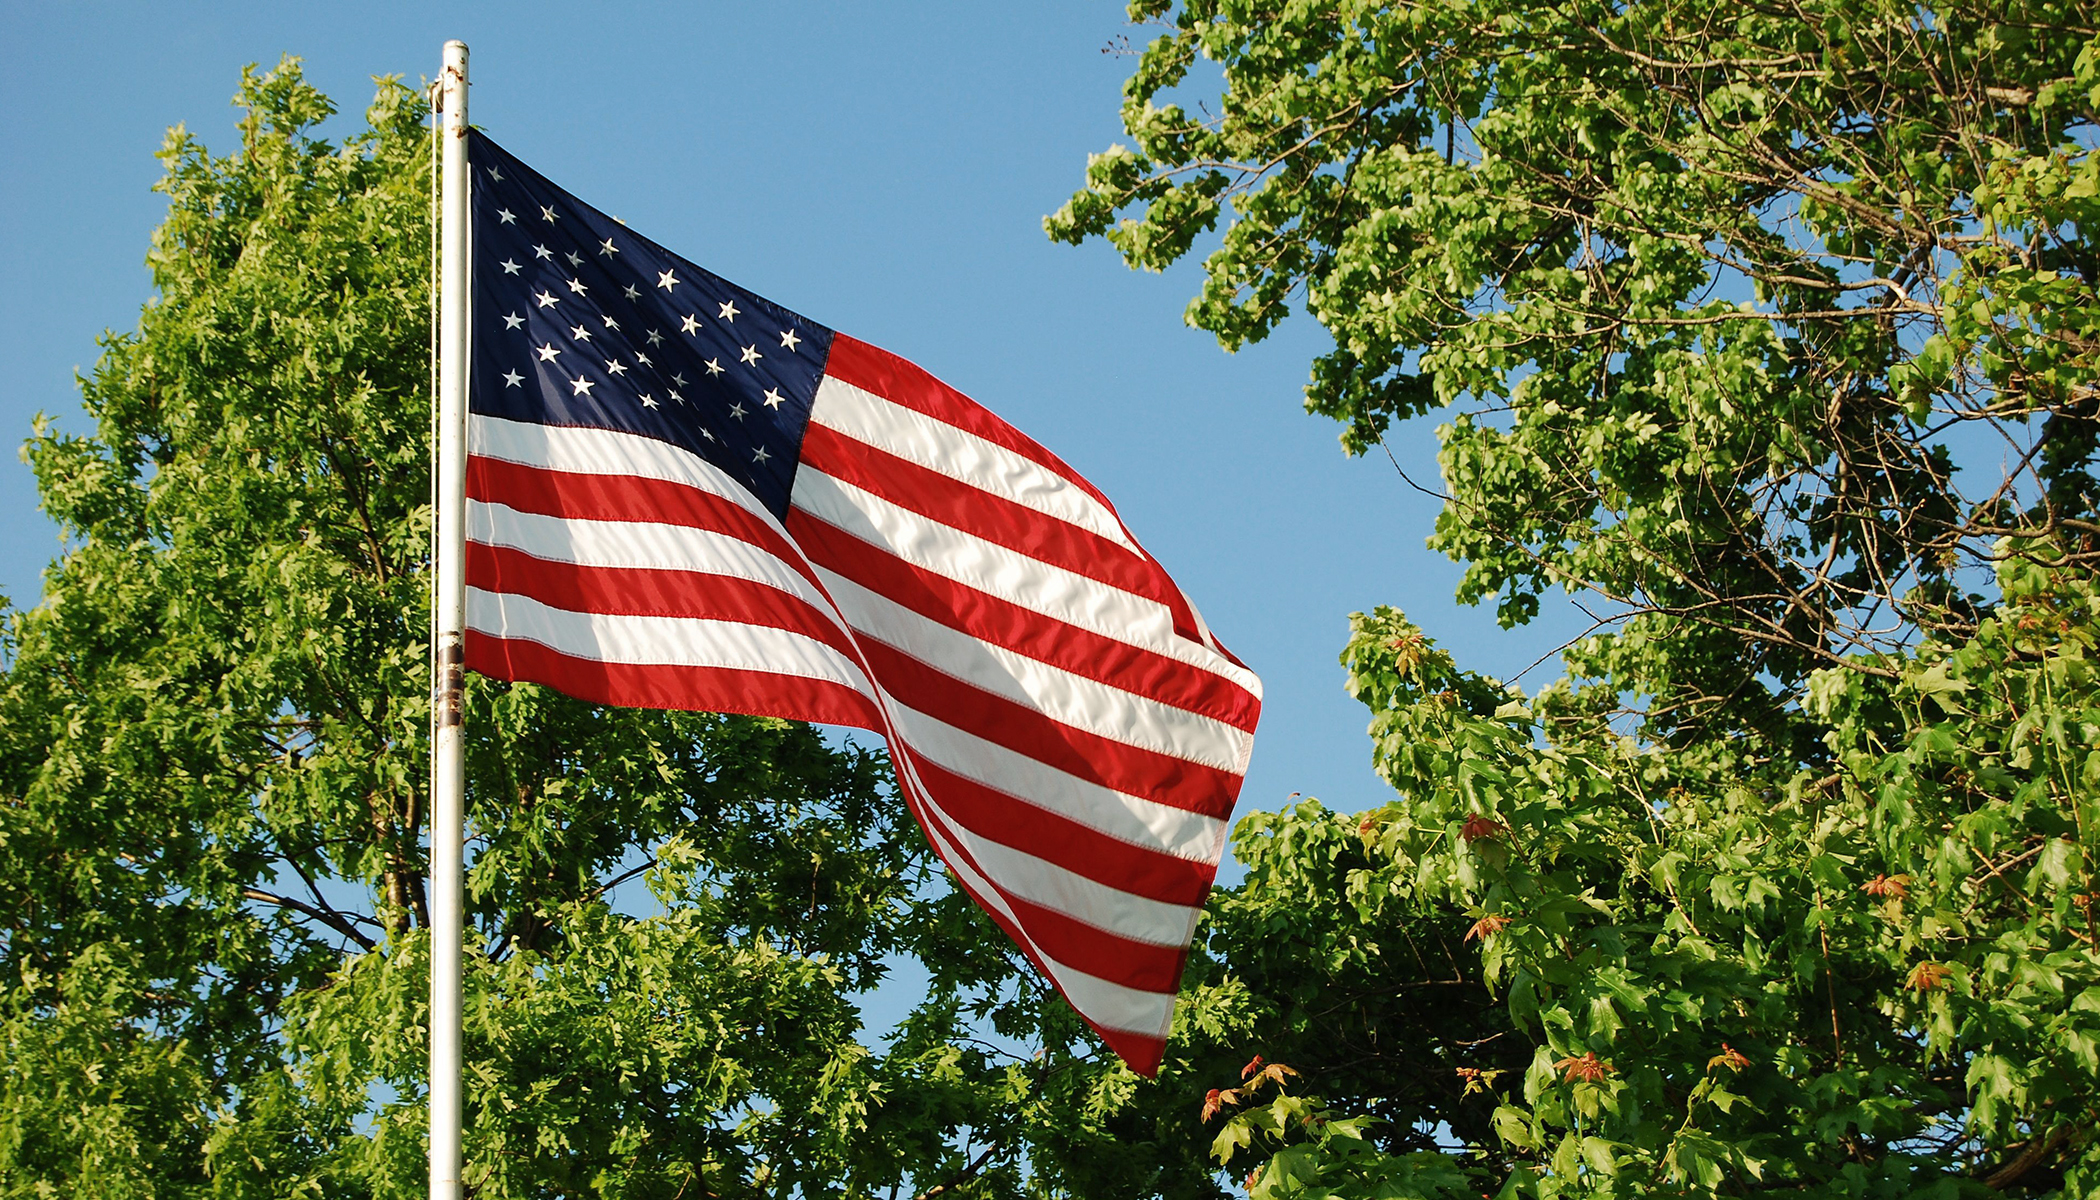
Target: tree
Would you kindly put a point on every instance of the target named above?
(213, 759)
(1766, 331)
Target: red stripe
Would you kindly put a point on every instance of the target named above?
(704, 689)
(1005, 624)
(643, 592)
(1102, 953)
(872, 369)
(998, 817)
(982, 514)
(1090, 948)
(907, 384)
(586, 497)
(1140, 1051)
(1139, 966)
(1124, 768)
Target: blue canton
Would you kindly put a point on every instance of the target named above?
(580, 321)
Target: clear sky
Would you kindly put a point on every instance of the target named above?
(881, 167)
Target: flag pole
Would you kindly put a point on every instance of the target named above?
(448, 682)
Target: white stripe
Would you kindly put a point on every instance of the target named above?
(645, 545)
(606, 452)
(1041, 588)
(987, 566)
(1111, 1005)
(1088, 901)
(1133, 819)
(960, 455)
(660, 641)
(1069, 699)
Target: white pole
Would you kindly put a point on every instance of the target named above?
(448, 777)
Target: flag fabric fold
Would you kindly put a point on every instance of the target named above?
(681, 495)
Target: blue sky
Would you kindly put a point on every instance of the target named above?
(883, 168)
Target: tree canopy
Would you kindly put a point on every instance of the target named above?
(1765, 332)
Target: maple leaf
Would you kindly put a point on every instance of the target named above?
(1479, 826)
(1927, 976)
(1408, 650)
(1887, 885)
(1487, 927)
(1730, 1057)
(1251, 1067)
(1586, 1069)
(1479, 1079)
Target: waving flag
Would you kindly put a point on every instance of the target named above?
(681, 495)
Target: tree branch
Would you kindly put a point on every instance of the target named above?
(329, 917)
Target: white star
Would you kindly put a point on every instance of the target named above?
(692, 323)
(512, 320)
(577, 286)
(630, 293)
(580, 386)
(495, 176)
(546, 299)
(505, 217)
(648, 402)
(608, 249)
(575, 259)
(655, 338)
(676, 396)
(615, 366)
(579, 333)
(547, 352)
(509, 267)
(643, 359)
(611, 324)
(512, 379)
(729, 312)
(773, 398)
(679, 379)
(761, 456)
(789, 338)
(714, 366)
(704, 433)
(667, 280)
(737, 410)
(539, 251)
(751, 354)
(548, 213)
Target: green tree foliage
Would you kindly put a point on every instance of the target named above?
(213, 763)
(1766, 331)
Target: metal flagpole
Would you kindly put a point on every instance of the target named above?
(448, 751)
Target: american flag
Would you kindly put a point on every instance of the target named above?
(681, 495)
